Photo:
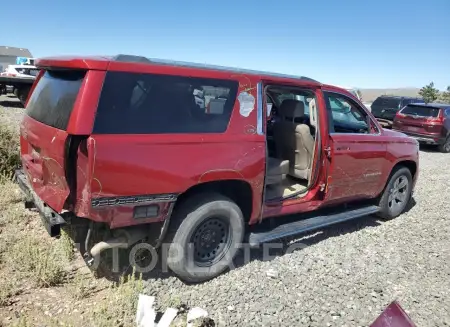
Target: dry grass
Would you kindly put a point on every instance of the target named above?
(9, 151)
(32, 263)
(42, 262)
(80, 287)
(122, 305)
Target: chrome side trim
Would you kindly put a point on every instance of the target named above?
(259, 109)
(132, 200)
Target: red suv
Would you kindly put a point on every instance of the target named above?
(194, 157)
(427, 123)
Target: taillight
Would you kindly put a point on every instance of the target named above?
(11, 75)
(437, 120)
(399, 115)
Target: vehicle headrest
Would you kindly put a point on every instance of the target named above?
(292, 109)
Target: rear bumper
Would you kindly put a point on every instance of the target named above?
(51, 219)
(424, 139)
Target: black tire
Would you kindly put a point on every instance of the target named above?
(204, 218)
(445, 147)
(389, 202)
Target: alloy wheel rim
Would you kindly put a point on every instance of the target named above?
(398, 193)
(447, 145)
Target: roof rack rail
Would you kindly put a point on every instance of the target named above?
(130, 58)
(144, 60)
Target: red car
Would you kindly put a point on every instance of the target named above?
(427, 123)
(180, 154)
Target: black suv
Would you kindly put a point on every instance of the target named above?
(385, 107)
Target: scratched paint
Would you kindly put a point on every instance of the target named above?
(250, 129)
(246, 103)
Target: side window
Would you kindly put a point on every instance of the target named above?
(447, 112)
(346, 116)
(163, 104)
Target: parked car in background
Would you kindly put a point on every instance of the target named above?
(20, 71)
(385, 107)
(18, 79)
(427, 123)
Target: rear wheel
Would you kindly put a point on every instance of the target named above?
(397, 194)
(205, 235)
(445, 147)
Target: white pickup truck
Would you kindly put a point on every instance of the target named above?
(18, 80)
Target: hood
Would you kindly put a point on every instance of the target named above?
(392, 133)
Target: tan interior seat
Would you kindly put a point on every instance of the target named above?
(293, 141)
(276, 170)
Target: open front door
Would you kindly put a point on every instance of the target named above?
(356, 154)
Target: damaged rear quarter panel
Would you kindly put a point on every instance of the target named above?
(157, 164)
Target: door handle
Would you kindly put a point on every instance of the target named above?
(344, 148)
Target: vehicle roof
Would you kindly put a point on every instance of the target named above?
(102, 62)
(434, 105)
(399, 97)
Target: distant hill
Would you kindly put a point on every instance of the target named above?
(369, 95)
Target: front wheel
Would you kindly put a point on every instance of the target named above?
(445, 147)
(205, 234)
(396, 195)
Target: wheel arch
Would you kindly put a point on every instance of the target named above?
(240, 191)
(410, 164)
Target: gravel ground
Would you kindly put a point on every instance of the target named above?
(346, 275)
(349, 273)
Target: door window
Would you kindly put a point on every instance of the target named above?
(346, 116)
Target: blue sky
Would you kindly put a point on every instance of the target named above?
(379, 43)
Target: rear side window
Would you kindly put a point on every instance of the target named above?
(133, 103)
(53, 98)
(421, 111)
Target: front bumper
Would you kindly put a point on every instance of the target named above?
(51, 219)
